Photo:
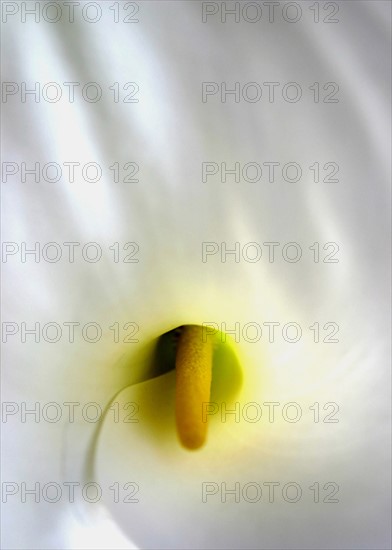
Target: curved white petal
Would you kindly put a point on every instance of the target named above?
(169, 213)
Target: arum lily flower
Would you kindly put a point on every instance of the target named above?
(156, 493)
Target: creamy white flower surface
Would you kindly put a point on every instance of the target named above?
(170, 212)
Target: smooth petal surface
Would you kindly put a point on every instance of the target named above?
(170, 212)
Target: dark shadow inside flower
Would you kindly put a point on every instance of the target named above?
(226, 370)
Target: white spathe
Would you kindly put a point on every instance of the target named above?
(169, 213)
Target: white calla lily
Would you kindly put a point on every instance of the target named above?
(169, 213)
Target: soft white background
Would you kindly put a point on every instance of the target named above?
(170, 212)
